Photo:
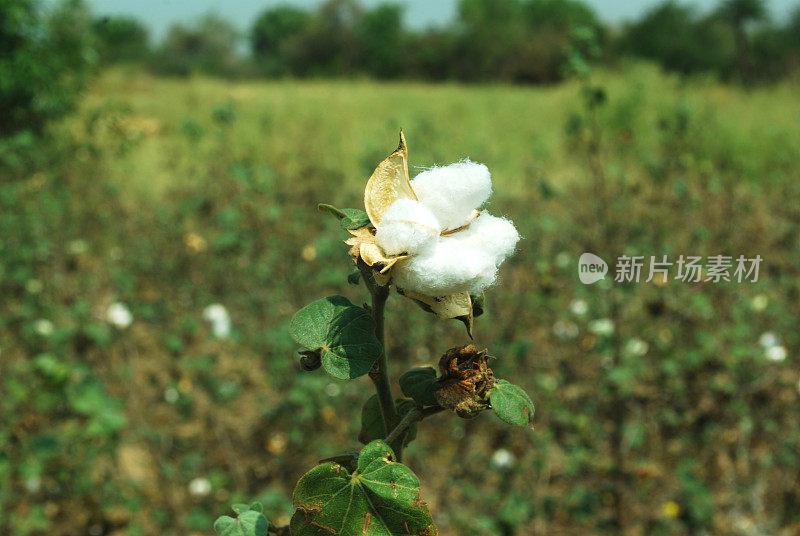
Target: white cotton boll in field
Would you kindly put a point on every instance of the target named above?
(44, 327)
(119, 315)
(565, 330)
(602, 326)
(776, 353)
(578, 307)
(199, 487)
(217, 315)
(636, 347)
(769, 339)
(33, 484)
(453, 192)
(496, 236)
(171, 395)
(502, 459)
(407, 226)
(448, 267)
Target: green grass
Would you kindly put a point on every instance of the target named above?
(344, 126)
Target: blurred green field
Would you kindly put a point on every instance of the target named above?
(171, 195)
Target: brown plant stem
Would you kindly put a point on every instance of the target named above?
(380, 370)
(397, 436)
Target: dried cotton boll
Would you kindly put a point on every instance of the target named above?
(496, 236)
(446, 268)
(407, 226)
(453, 192)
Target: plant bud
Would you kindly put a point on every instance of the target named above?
(310, 359)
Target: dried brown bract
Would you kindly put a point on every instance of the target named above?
(465, 380)
(363, 247)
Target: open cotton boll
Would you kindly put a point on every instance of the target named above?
(407, 226)
(217, 315)
(453, 192)
(496, 236)
(447, 267)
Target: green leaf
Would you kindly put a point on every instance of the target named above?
(380, 498)
(342, 332)
(88, 397)
(511, 403)
(349, 460)
(354, 277)
(420, 384)
(330, 209)
(354, 219)
(248, 523)
(240, 508)
(257, 507)
(351, 218)
(372, 427)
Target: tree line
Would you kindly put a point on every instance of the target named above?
(524, 41)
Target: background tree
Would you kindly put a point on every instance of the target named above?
(207, 46)
(380, 40)
(739, 14)
(270, 34)
(489, 33)
(673, 35)
(543, 50)
(121, 38)
(328, 46)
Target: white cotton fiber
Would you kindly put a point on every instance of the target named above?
(453, 192)
(407, 226)
(496, 236)
(450, 266)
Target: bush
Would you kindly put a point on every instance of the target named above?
(44, 57)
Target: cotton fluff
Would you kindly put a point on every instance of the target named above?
(462, 261)
(407, 226)
(447, 267)
(496, 236)
(453, 192)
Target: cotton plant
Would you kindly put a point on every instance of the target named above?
(429, 240)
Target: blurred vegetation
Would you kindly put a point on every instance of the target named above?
(524, 41)
(44, 59)
(659, 411)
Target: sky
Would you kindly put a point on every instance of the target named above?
(160, 14)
